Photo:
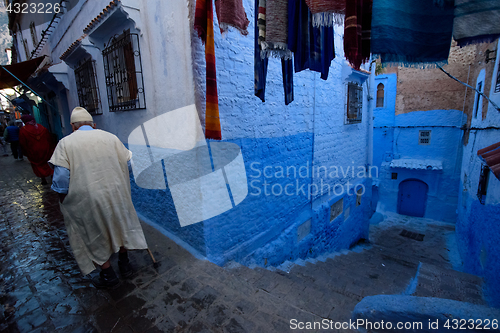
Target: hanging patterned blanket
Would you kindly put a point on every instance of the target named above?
(327, 12)
(204, 25)
(476, 21)
(231, 13)
(260, 63)
(411, 33)
(274, 40)
(357, 31)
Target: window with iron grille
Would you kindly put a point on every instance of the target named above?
(354, 103)
(478, 98)
(26, 49)
(424, 137)
(497, 84)
(123, 71)
(483, 184)
(87, 87)
(34, 37)
(14, 50)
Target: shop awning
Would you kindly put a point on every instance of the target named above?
(22, 70)
(417, 164)
(491, 156)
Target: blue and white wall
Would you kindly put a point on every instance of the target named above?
(285, 214)
(397, 137)
(299, 159)
(478, 225)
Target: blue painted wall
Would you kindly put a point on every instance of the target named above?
(397, 136)
(478, 225)
(303, 136)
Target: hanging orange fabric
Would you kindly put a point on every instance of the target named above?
(204, 24)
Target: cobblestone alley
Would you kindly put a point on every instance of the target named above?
(42, 290)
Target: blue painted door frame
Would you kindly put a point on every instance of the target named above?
(412, 197)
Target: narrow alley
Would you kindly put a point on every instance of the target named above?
(42, 289)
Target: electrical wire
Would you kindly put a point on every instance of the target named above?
(465, 84)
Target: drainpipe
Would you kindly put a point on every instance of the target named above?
(370, 113)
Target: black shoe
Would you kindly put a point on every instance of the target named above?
(107, 279)
(126, 269)
(44, 181)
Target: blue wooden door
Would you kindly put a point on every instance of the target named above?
(412, 197)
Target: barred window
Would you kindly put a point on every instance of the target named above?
(483, 183)
(354, 103)
(34, 37)
(497, 84)
(123, 71)
(424, 138)
(478, 98)
(87, 87)
(26, 49)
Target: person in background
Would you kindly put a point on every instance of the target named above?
(36, 143)
(11, 134)
(3, 143)
(91, 175)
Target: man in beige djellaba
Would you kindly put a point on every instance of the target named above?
(91, 175)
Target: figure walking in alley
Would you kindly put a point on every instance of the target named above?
(11, 134)
(91, 175)
(3, 142)
(36, 143)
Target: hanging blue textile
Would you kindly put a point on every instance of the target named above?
(408, 32)
(313, 47)
(260, 68)
(260, 65)
(287, 71)
(476, 21)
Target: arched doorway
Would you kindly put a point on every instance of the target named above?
(412, 197)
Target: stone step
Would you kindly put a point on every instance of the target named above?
(342, 280)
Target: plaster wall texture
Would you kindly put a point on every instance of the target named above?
(302, 137)
(165, 48)
(164, 45)
(478, 225)
(309, 133)
(396, 136)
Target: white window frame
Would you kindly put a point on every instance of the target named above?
(424, 135)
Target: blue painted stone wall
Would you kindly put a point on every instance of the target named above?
(478, 225)
(158, 207)
(303, 136)
(383, 119)
(397, 136)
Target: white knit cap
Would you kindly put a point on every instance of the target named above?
(80, 114)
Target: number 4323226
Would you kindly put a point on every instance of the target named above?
(34, 8)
